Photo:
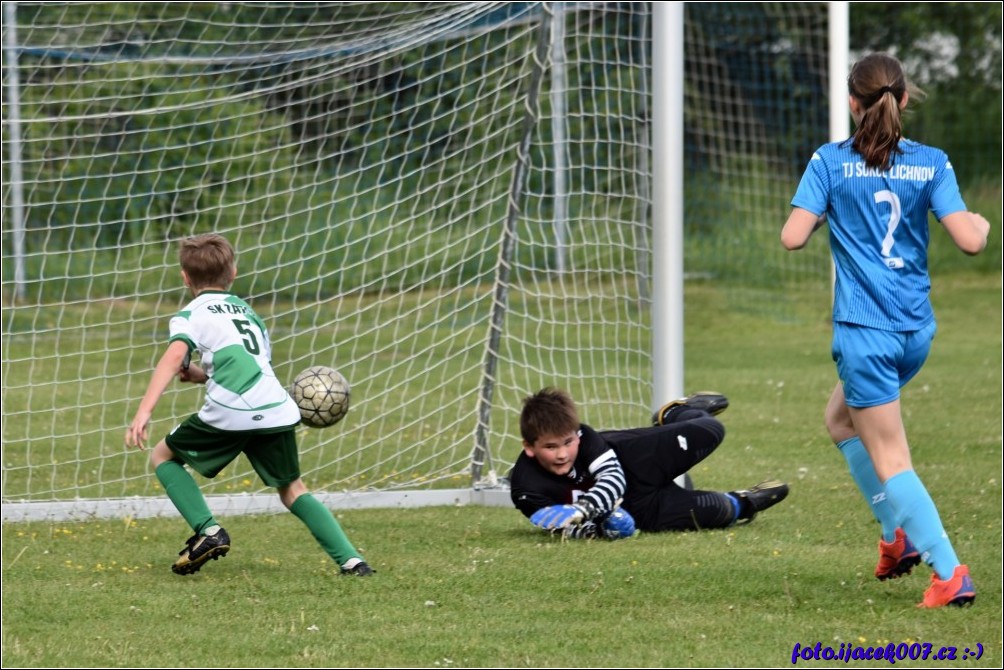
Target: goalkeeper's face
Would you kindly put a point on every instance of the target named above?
(555, 453)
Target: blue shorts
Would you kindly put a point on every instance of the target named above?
(874, 365)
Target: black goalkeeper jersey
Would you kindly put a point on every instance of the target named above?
(596, 474)
(637, 467)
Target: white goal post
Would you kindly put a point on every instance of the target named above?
(454, 204)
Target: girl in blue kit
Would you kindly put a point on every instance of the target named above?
(874, 191)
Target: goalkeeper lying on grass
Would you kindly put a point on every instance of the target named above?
(585, 483)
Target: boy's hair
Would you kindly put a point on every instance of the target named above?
(549, 411)
(208, 260)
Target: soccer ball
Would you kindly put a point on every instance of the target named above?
(322, 394)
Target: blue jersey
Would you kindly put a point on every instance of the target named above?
(879, 230)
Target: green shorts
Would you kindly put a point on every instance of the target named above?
(207, 450)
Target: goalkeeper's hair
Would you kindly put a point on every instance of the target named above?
(549, 411)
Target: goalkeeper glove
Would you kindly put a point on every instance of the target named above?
(559, 517)
(619, 524)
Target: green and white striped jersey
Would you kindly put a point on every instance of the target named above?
(242, 392)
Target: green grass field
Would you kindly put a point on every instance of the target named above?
(478, 587)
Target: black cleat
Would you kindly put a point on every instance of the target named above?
(760, 497)
(360, 569)
(711, 402)
(199, 549)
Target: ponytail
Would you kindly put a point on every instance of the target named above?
(878, 83)
(877, 136)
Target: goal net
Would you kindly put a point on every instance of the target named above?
(447, 202)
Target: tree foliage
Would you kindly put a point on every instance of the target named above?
(953, 51)
(119, 146)
(120, 152)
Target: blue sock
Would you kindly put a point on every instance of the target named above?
(736, 507)
(921, 522)
(863, 473)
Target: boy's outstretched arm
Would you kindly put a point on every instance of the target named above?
(602, 499)
(167, 368)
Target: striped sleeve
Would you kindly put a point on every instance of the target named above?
(584, 530)
(604, 495)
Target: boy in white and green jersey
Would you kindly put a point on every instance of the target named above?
(246, 410)
(242, 392)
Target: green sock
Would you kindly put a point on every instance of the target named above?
(324, 527)
(185, 494)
